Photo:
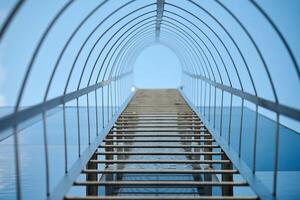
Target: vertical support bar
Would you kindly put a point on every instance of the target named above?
(227, 190)
(197, 104)
(109, 177)
(111, 98)
(119, 176)
(197, 177)
(209, 103)
(96, 107)
(119, 94)
(230, 118)
(121, 90)
(255, 139)
(215, 105)
(192, 91)
(159, 15)
(204, 100)
(88, 117)
(65, 138)
(17, 163)
(116, 91)
(78, 126)
(102, 101)
(46, 155)
(92, 190)
(208, 177)
(195, 91)
(221, 115)
(241, 128)
(108, 103)
(276, 155)
(201, 96)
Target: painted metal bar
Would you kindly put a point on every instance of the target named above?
(160, 122)
(158, 126)
(159, 130)
(160, 135)
(255, 183)
(78, 127)
(270, 105)
(88, 117)
(159, 153)
(10, 18)
(27, 113)
(96, 112)
(17, 162)
(186, 197)
(161, 140)
(165, 171)
(185, 31)
(59, 191)
(65, 139)
(162, 183)
(276, 154)
(159, 161)
(255, 139)
(230, 119)
(45, 138)
(159, 16)
(159, 146)
(241, 128)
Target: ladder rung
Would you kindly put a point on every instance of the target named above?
(153, 109)
(185, 197)
(156, 105)
(173, 108)
(161, 171)
(159, 146)
(159, 153)
(159, 135)
(151, 140)
(162, 122)
(165, 108)
(156, 115)
(160, 130)
(161, 161)
(163, 183)
(159, 126)
(164, 112)
(157, 111)
(163, 119)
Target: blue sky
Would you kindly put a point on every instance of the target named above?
(21, 40)
(156, 66)
(154, 59)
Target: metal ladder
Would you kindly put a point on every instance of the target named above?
(159, 149)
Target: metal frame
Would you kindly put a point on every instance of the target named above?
(205, 75)
(115, 147)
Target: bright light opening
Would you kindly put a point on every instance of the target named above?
(132, 88)
(157, 67)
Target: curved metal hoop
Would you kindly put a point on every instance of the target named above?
(214, 65)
